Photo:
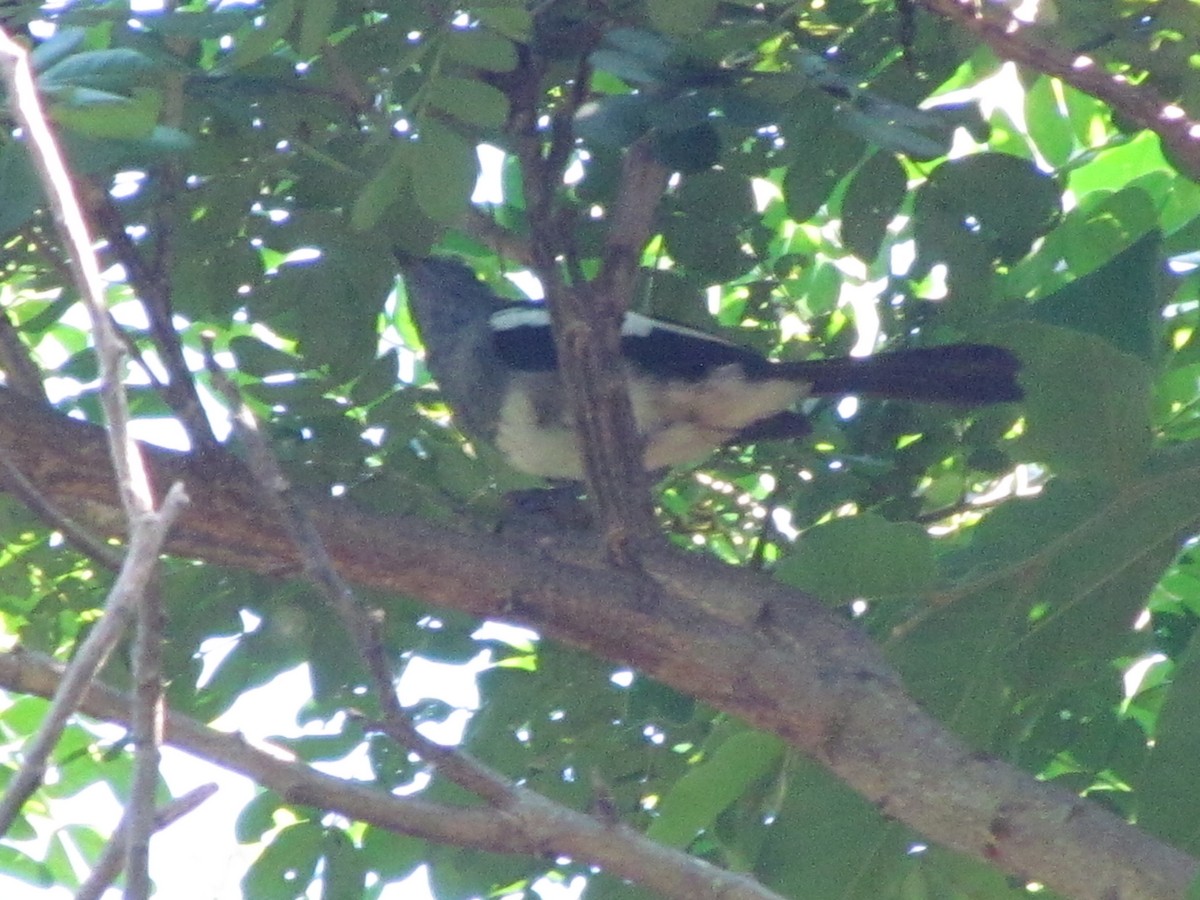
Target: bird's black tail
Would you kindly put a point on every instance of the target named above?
(967, 374)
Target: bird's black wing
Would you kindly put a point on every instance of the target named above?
(655, 348)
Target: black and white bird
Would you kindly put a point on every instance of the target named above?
(691, 392)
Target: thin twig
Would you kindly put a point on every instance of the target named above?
(83, 540)
(136, 571)
(586, 333)
(362, 625)
(147, 529)
(136, 496)
(147, 737)
(108, 866)
(151, 283)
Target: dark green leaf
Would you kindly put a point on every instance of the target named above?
(383, 189)
(999, 203)
(443, 172)
(872, 200)
(689, 150)
(284, 870)
(1087, 404)
(59, 46)
(252, 43)
(1169, 785)
(514, 22)
(117, 69)
(615, 121)
(680, 16)
(316, 21)
(1119, 301)
(481, 49)
(345, 872)
(469, 101)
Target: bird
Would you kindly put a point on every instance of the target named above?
(691, 392)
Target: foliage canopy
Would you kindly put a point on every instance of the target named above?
(805, 179)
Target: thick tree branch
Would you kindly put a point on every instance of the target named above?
(1178, 130)
(746, 645)
(530, 824)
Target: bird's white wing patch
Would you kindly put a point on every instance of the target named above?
(520, 317)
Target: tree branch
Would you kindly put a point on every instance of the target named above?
(146, 527)
(749, 647)
(531, 825)
(123, 602)
(587, 333)
(1178, 130)
(108, 867)
(152, 285)
(361, 624)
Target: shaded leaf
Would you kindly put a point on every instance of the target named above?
(443, 172)
(468, 100)
(1087, 404)
(707, 789)
(872, 200)
(860, 556)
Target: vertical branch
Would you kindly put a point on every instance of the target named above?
(587, 334)
(139, 819)
(146, 527)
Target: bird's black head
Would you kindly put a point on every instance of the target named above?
(444, 296)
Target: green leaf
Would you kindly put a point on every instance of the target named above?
(287, 866)
(680, 16)
(255, 357)
(1168, 787)
(872, 200)
(1119, 301)
(120, 117)
(1087, 404)
(861, 556)
(1048, 125)
(514, 22)
(316, 21)
(481, 49)
(345, 871)
(469, 101)
(690, 150)
(251, 43)
(707, 789)
(998, 203)
(393, 856)
(383, 188)
(257, 817)
(444, 169)
(106, 70)
(615, 121)
(24, 868)
(1105, 225)
(848, 850)
(59, 46)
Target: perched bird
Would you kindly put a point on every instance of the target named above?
(691, 392)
